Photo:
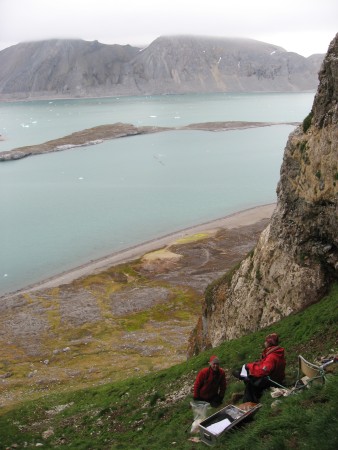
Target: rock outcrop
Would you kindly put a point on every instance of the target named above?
(177, 64)
(296, 258)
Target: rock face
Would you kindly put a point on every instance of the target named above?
(296, 258)
(178, 64)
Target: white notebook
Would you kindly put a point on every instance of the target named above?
(218, 427)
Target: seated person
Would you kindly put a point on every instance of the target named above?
(210, 383)
(254, 374)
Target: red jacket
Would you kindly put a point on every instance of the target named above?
(210, 383)
(272, 364)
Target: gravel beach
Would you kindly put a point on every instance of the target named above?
(236, 220)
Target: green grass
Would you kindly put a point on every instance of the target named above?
(307, 122)
(140, 413)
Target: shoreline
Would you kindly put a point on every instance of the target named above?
(235, 220)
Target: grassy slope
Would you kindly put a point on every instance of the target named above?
(153, 411)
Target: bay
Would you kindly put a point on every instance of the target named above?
(63, 209)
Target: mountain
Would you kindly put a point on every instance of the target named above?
(178, 64)
(296, 258)
(61, 68)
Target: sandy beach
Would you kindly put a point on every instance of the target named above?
(235, 220)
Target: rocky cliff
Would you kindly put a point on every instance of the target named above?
(296, 258)
(178, 64)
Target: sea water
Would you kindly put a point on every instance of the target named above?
(60, 210)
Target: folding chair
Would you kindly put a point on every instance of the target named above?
(309, 373)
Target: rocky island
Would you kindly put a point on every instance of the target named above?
(101, 133)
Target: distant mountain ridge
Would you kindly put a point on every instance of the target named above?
(60, 68)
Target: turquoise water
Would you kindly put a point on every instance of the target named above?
(26, 123)
(63, 209)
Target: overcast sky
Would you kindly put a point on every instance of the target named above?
(301, 26)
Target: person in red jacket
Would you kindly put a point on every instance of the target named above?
(210, 383)
(271, 364)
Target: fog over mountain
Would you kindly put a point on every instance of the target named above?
(169, 65)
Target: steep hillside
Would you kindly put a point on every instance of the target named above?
(153, 412)
(296, 258)
(178, 64)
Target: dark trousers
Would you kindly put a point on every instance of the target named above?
(214, 401)
(254, 388)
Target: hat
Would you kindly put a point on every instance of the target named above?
(272, 339)
(213, 359)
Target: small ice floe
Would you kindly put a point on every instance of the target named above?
(50, 102)
(80, 178)
(219, 60)
(24, 125)
(34, 121)
(5, 275)
(153, 116)
(177, 117)
(272, 53)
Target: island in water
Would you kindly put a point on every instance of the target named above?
(96, 135)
